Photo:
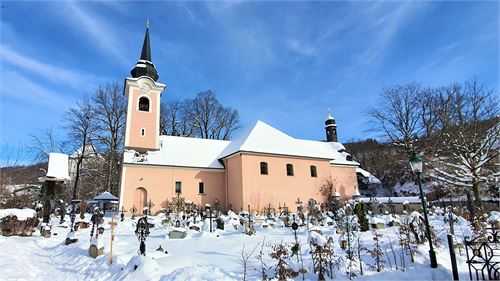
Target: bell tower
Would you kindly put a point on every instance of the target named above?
(143, 103)
(331, 128)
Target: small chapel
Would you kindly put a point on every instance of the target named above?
(261, 166)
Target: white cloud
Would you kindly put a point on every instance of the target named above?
(57, 74)
(99, 30)
(18, 87)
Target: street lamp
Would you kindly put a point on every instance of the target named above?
(416, 162)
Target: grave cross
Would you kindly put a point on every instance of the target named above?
(209, 215)
(133, 210)
(142, 232)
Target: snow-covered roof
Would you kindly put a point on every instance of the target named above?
(105, 196)
(182, 152)
(398, 200)
(90, 151)
(259, 138)
(263, 138)
(371, 178)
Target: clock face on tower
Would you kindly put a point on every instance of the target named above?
(145, 88)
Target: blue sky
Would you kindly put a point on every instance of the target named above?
(281, 62)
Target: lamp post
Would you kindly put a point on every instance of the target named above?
(416, 166)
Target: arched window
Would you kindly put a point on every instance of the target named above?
(144, 104)
(289, 169)
(314, 172)
(263, 168)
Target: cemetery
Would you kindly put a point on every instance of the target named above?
(141, 181)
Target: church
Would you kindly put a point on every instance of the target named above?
(261, 166)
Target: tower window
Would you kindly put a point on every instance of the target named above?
(201, 188)
(143, 132)
(263, 168)
(144, 104)
(178, 187)
(289, 169)
(314, 172)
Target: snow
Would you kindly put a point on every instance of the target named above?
(371, 178)
(395, 200)
(494, 217)
(261, 137)
(375, 220)
(201, 256)
(105, 196)
(183, 152)
(21, 214)
(58, 166)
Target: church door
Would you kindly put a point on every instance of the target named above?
(140, 199)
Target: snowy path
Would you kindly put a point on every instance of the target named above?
(201, 256)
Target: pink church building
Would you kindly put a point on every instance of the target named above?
(260, 166)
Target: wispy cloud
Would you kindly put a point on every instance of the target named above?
(301, 48)
(17, 87)
(102, 33)
(384, 22)
(55, 73)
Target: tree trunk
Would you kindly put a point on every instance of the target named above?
(477, 194)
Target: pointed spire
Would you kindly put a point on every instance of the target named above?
(145, 66)
(146, 49)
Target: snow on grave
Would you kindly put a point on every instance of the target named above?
(177, 233)
(139, 268)
(18, 222)
(96, 247)
(376, 223)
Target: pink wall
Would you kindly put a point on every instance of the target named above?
(234, 181)
(159, 182)
(277, 188)
(241, 184)
(143, 119)
(345, 180)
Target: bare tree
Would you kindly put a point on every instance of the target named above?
(42, 143)
(173, 119)
(10, 156)
(81, 128)
(399, 114)
(110, 109)
(209, 119)
(470, 138)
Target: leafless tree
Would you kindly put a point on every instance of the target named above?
(10, 156)
(209, 119)
(173, 119)
(81, 128)
(470, 138)
(399, 114)
(110, 108)
(42, 143)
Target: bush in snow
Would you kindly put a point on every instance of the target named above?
(281, 254)
(376, 252)
(322, 255)
(360, 210)
(407, 241)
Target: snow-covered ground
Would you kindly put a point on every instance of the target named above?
(201, 255)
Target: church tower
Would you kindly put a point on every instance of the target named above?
(143, 106)
(331, 128)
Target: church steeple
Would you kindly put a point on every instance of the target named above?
(145, 67)
(331, 128)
